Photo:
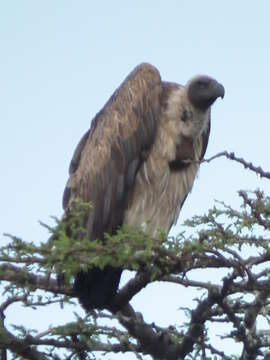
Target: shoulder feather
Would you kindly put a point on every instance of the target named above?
(108, 156)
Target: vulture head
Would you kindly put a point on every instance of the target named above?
(203, 91)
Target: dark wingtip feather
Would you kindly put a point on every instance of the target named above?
(96, 288)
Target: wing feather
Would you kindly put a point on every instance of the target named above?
(205, 138)
(108, 156)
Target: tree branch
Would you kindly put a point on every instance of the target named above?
(247, 165)
(23, 278)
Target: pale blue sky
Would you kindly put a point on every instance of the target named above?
(61, 60)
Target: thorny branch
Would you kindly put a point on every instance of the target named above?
(247, 165)
(214, 244)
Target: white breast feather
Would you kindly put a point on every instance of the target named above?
(160, 192)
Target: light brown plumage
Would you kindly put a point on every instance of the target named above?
(106, 161)
(159, 191)
(130, 164)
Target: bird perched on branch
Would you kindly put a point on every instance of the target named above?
(132, 163)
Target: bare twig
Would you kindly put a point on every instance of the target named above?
(247, 165)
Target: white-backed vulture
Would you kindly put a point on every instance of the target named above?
(131, 163)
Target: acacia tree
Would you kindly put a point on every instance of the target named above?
(237, 241)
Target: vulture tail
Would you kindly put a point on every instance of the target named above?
(96, 288)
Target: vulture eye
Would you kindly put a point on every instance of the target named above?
(202, 84)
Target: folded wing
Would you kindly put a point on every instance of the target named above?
(106, 160)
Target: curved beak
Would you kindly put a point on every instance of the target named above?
(219, 90)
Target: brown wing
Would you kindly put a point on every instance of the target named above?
(106, 161)
(205, 138)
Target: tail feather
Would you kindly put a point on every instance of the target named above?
(96, 288)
